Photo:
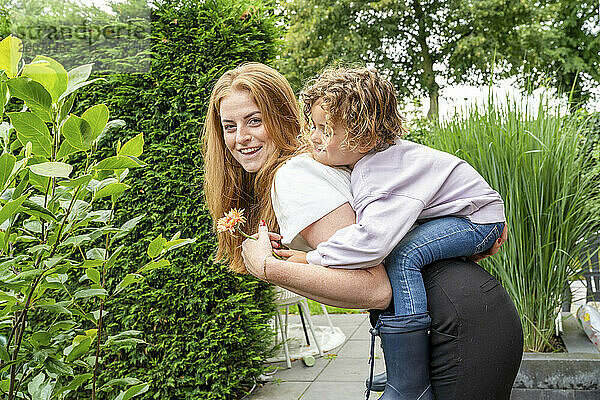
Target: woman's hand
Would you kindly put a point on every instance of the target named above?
(256, 251)
(292, 255)
(495, 247)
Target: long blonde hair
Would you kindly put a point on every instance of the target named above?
(226, 184)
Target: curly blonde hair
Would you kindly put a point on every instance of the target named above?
(226, 184)
(360, 100)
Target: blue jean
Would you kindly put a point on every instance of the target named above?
(431, 241)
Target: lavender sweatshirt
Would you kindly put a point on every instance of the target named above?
(394, 188)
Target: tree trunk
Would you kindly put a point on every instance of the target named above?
(428, 79)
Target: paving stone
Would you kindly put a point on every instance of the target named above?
(526, 394)
(557, 395)
(279, 391)
(299, 371)
(345, 370)
(586, 394)
(362, 333)
(336, 391)
(360, 349)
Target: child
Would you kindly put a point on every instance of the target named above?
(395, 183)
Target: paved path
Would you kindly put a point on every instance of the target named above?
(339, 375)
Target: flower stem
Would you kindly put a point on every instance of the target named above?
(244, 234)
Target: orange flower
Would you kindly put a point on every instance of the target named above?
(230, 221)
(237, 216)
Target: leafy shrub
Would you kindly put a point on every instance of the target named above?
(535, 163)
(56, 244)
(206, 327)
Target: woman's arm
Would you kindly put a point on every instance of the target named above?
(358, 288)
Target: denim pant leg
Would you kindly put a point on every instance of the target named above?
(433, 240)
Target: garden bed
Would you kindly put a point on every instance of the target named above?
(574, 375)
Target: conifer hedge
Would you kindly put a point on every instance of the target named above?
(205, 326)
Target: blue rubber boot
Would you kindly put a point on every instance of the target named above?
(379, 382)
(405, 342)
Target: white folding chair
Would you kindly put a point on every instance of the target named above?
(284, 299)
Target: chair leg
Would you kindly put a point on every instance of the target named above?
(303, 324)
(327, 316)
(304, 306)
(285, 343)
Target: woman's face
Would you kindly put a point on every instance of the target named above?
(244, 133)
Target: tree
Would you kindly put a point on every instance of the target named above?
(560, 48)
(412, 42)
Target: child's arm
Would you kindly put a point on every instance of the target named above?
(384, 221)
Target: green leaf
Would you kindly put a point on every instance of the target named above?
(111, 189)
(61, 326)
(128, 280)
(76, 241)
(80, 349)
(3, 353)
(156, 246)
(97, 117)
(66, 107)
(39, 388)
(57, 367)
(128, 226)
(42, 337)
(36, 210)
(133, 147)
(82, 180)
(113, 258)
(77, 132)
(78, 75)
(7, 163)
(10, 55)
(93, 274)
(117, 162)
(11, 208)
(31, 128)
(85, 293)
(52, 169)
(174, 244)
(36, 97)
(75, 383)
(119, 381)
(163, 262)
(55, 83)
(65, 149)
(71, 89)
(55, 308)
(3, 97)
(133, 391)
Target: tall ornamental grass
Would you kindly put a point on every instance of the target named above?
(535, 161)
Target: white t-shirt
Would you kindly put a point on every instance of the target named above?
(303, 192)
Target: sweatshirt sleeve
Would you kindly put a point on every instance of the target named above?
(384, 220)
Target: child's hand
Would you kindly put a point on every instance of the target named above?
(495, 247)
(292, 255)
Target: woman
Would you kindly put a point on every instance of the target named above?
(251, 147)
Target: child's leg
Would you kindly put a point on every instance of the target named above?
(431, 241)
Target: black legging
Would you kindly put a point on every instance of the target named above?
(476, 335)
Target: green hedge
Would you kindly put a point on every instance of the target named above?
(206, 327)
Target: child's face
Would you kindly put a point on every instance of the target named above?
(327, 140)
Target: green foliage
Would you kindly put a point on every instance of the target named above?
(405, 40)
(558, 48)
(74, 33)
(52, 228)
(535, 163)
(207, 328)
